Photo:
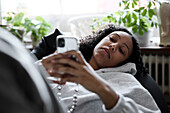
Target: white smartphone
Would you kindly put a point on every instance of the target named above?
(66, 43)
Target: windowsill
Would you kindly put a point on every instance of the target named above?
(155, 50)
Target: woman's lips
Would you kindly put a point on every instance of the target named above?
(107, 52)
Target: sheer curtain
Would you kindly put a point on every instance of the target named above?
(59, 11)
(65, 7)
(0, 13)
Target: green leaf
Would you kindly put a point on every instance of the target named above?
(120, 21)
(92, 27)
(128, 18)
(127, 6)
(135, 2)
(141, 8)
(137, 10)
(125, 2)
(120, 4)
(151, 13)
(105, 19)
(134, 22)
(134, 29)
(145, 29)
(152, 24)
(141, 22)
(114, 20)
(124, 20)
(149, 5)
(156, 25)
(134, 16)
(39, 18)
(18, 19)
(140, 31)
(95, 19)
(133, 5)
(144, 12)
(130, 24)
(119, 13)
(109, 17)
(153, 3)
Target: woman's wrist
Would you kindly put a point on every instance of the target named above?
(107, 95)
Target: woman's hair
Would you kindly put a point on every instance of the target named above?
(88, 43)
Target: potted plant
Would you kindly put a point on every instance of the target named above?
(139, 19)
(37, 27)
(14, 24)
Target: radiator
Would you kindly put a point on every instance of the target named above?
(159, 67)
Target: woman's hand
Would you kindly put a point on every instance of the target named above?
(62, 66)
(49, 62)
(81, 72)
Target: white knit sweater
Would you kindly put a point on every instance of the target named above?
(133, 98)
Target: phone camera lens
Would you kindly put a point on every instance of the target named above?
(61, 42)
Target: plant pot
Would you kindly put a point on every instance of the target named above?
(34, 43)
(144, 40)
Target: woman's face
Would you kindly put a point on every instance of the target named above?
(112, 50)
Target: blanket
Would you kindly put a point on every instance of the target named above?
(133, 98)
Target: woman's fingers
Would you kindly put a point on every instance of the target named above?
(76, 54)
(52, 66)
(70, 79)
(55, 74)
(56, 80)
(69, 62)
(64, 67)
(65, 58)
(51, 57)
(69, 70)
(59, 82)
(49, 61)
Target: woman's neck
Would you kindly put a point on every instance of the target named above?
(94, 64)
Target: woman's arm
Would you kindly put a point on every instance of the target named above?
(82, 73)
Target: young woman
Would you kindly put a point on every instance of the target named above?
(102, 71)
(87, 44)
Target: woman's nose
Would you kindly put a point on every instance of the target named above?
(113, 46)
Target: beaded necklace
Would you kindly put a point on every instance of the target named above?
(74, 104)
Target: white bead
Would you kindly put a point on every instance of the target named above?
(75, 100)
(59, 94)
(76, 90)
(75, 96)
(71, 110)
(59, 87)
(73, 107)
(75, 104)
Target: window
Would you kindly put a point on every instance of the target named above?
(58, 12)
(57, 7)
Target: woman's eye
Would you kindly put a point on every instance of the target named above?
(112, 39)
(121, 51)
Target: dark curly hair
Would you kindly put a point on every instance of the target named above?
(88, 43)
